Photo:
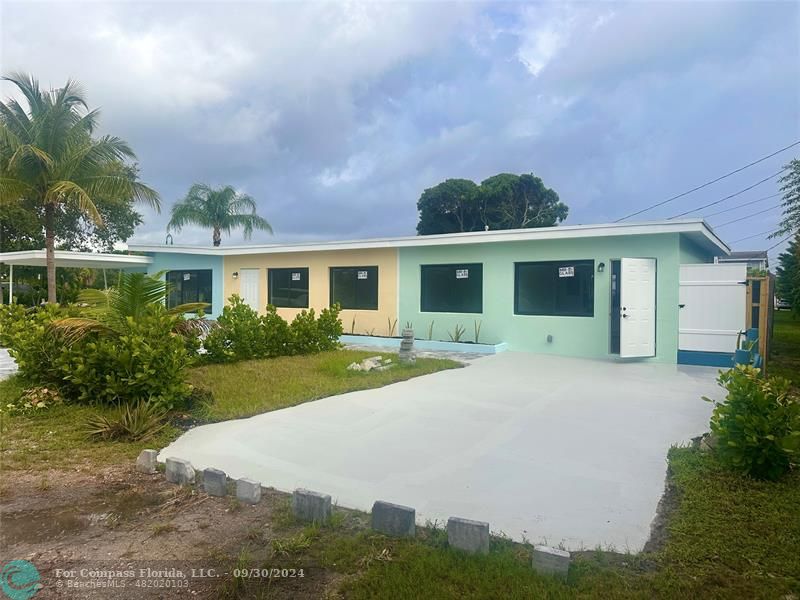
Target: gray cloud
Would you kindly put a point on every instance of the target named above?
(335, 117)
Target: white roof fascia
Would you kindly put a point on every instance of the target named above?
(694, 227)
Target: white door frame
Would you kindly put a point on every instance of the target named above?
(638, 305)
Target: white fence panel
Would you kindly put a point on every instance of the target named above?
(713, 300)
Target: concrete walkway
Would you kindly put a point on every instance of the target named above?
(7, 364)
(564, 451)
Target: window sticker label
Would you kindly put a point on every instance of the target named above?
(566, 271)
(362, 274)
(295, 276)
(462, 273)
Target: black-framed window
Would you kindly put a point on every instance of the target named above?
(354, 287)
(556, 288)
(456, 288)
(288, 288)
(190, 286)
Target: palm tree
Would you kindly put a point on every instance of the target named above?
(220, 209)
(107, 312)
(49, 159)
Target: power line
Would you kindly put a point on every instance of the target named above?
(719, 212)
(751, 236)
(742, 191)
(700, 187)
(779, 243)
(748, 216)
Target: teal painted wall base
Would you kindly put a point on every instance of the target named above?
(705, 359)
(425, 345)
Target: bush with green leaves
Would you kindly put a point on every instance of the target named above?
(241, 334)
(757, 426)
(119, 346)
(145, 360)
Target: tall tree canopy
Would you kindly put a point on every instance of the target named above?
(504, 201)
(51, 165)
(787, 285)
(790, 186)
(220, 209)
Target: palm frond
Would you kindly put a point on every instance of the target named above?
(73, 329)
(71, 191)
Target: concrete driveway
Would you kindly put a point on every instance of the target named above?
(555, 450)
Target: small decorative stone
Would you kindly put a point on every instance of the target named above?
(179, 471)
(146, 462)
(551, 561)
(470, 536)
(215, 482)
(248, 491)
(406, 354)
(311, 506)
(393, 519)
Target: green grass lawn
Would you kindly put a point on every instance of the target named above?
(55, 438)
(251, 387)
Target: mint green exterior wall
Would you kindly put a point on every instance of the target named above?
(572, 336)
(691, 253)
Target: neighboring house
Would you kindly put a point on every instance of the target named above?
(754, 259)
(597, 291)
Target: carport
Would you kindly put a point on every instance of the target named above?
(65, 258)
(549, 449)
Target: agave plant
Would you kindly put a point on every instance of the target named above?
(106, 312)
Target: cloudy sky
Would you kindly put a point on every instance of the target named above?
(336, 116)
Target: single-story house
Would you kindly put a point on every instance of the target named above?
(597, 291)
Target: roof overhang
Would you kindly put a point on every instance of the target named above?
(695, 229)
(63, 258)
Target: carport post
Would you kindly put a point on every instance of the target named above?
(10, 284)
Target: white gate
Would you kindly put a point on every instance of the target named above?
(713, 301)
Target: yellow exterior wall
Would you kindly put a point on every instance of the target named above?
(318, 264)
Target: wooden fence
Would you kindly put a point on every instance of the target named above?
(760, 307)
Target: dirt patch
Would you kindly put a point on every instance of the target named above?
(119, 521)
(667, 506)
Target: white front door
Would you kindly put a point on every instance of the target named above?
(637, 331)
(248, 287)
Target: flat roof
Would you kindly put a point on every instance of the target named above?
(65, 258)
(696, 229)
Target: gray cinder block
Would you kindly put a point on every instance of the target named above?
(551, 561)
(393, 519)
(215, 482)
(311, 506)
(180, 471)
(467, 535)
(146, 462)
(248, 491)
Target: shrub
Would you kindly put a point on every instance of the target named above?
(241, 334)
(329, 327)
(146, 361)
(758, 424)
(276, 333)
(31, 342)
(304, 333)
(238, 334)
(142, 359)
